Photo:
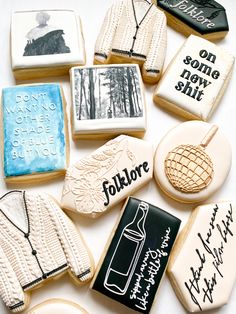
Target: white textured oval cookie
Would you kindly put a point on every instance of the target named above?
(107, 176)
(202, 265)
(192, 161)
(57, 306)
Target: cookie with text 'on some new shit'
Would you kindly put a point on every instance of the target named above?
(195, 80)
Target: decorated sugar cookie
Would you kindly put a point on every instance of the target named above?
(133, 32)
(57, 306)
(202, 264)
(195, 80)
(35, 132)
(45, 43)
(146, 234)
(107, 176)
(107, 100)
(192, 161)
(37, 242)
(205, 18)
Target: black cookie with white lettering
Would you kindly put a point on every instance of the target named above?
(202, 265)
(205, 18)
(107, 176)
(146, 234)
(195, 79)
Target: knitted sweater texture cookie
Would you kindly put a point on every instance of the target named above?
(135, 32)
(37, 241)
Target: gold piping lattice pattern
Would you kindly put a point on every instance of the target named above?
(188, 167)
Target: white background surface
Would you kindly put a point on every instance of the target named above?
(97, 231)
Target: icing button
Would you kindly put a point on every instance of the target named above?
(26, 235)
(44, 276)
(137, 27)
(134, 37)
(34, 252)
(131, 50)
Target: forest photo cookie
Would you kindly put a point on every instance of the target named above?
(202, 264)
(45, 43)
(207, 18)
(192, 161)
(35, 135)
(107, 100)
(146, 234)
(195, 80)
(38, 242)
(133, 31)
(57, 306)
(107, 176)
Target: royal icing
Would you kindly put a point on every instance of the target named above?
(146, 233)
(58, 306)
(192, 161)
(48, 38)
(133, 32)
(107, 176)
(202, 268)
(205, 17)
(37, 241)
(195, 80)
(108, 100)
(34, 129)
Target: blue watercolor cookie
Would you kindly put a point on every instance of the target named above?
(34, 132)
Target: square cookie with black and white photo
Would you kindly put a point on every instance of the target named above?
(131, 269)
(45, 43)
(107, 100)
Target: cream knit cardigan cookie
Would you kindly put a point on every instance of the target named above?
(37, 241)
(124, 36)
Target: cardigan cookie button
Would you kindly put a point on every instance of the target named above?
(44, 276)
(137, 26)
(134, 37)
(26, 235)
(34, 252)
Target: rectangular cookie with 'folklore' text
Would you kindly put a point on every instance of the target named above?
(136, 257)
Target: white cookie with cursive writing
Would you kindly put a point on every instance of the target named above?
(195, 80)
(107, 176)
(202, 265)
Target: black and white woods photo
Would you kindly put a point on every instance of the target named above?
(107, 92)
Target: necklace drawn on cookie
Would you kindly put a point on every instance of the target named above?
(188, 167)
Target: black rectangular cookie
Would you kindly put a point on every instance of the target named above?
(131, 269)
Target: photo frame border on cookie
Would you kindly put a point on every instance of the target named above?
(28, 67)
(108, 128)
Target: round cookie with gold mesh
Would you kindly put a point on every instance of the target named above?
(192, 161)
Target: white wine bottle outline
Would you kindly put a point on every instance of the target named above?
(132, 236)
